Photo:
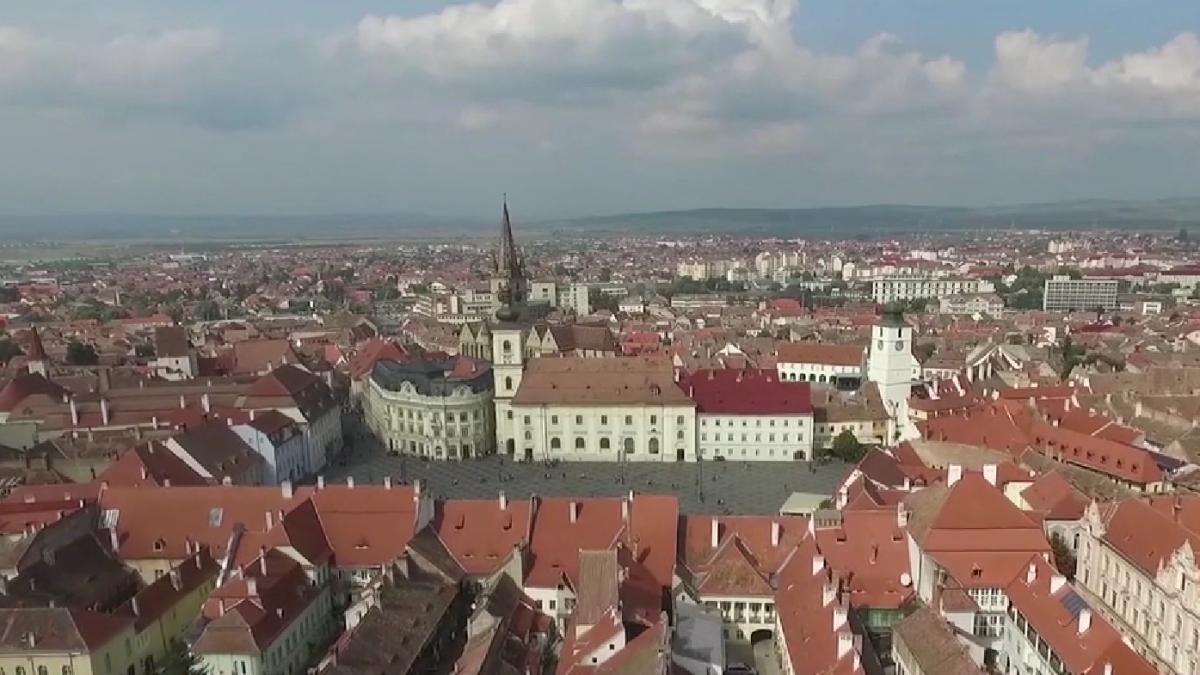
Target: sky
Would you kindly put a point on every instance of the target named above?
(584, 107)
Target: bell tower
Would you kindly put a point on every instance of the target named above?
(508, 336)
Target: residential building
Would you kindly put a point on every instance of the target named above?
(1064, 294)
(841, 364)
(886, 290)
(282, 444)
(174, 358)
(307, 399)
(436, 407)
(988, 304)
(750, 415)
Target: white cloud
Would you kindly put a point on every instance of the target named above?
(1052, 72)
(147, 58)
(18, 49)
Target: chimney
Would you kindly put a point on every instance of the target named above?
(625, 510)
(252, 414)
(574, 508)
(1056, 583)
(845, 641)
(954, 474)
(270, 520)
(74, 413)
(262, 560)
(350, 482)
(828, 594)
(176, 581)
(818, 564)
(1085, 620)
(31, 639)
(251, 587)
(144, 472)
(901, 515)
(114, 539)
(166, 482)
(1030, 574)
(1108, 669)
(775, 532)
(715, 533)
(387, 482)
(220, 606)
(286, 489)
(839, 620)
(205, 403)
(134, 605)
(154, 422)
(321, 482)
(990, 474)
(503, 501)
(182, 402)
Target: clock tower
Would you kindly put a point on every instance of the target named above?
(891, 365)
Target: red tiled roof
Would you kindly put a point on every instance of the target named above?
(747, 392)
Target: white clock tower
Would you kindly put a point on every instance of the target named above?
(890, 366)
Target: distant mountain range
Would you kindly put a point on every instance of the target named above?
(1097, 214)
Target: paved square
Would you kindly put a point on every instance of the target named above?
(705, 487)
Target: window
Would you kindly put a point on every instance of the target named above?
(679, 420)
(653, 419)
(555, 443)
(554, 419)
(579, 443)
(42, 670)
(508, 383)
(654, 446)
(579, 419)
(604, 444)
(629, 419)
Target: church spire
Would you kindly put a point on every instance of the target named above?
(509, 270)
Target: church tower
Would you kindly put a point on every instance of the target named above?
(36, 360)
(508, 336)
(890, 366)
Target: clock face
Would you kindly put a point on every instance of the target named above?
(899, 346)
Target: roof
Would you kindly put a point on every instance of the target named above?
(827, 354)
(171, 342)
(1148, 533)
(434, 376)
(746, 392)
(631, 380)
(150, 463)
(221, 451)
(480, 534)
(25, 385)
(932, 644)
(57, 629)
(1056, 497)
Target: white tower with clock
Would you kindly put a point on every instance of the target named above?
(890, 366)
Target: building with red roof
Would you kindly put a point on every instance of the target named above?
(819, 362)
(1137, 562)
(750, 415)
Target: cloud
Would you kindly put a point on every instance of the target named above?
(1049, 72)
(150, 59)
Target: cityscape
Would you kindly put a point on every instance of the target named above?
(599, 337)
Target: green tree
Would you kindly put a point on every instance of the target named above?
(80, 354)
(8, 349)
(208, 310)
(1070, 355)
(179, 661)
(1064, 558)
(847, 448)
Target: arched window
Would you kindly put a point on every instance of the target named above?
(507, 346)
(604, 444)
(654, 446)
(628, 445)
(579, 443)
(20, 670)
(528, 436)
(555, 443)
(679, 434)
(66, 670)
(42, 670)
(508, 383)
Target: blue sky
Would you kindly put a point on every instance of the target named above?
(591, 106)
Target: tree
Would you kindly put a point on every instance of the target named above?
(8, 349)
(179, 661)
(1064, 558)
(1070, 355)
(847, 448)
(80, 354)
